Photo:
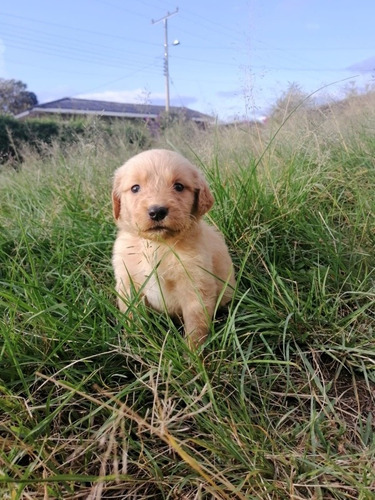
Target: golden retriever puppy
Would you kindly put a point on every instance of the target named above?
(164, 250)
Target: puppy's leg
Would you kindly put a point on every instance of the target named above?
(197, 318)
(126, 288)
(123, 294)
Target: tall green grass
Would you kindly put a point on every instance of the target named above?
(280, 404)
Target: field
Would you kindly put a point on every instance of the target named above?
(280, 402)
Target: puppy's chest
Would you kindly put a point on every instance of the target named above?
(164, 275)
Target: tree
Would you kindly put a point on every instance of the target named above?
(14, 97)
(291, 100)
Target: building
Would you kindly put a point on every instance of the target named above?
(70, 107)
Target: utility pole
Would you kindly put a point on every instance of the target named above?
(166, 62)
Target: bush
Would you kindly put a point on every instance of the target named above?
(136, 133)
(37, 133)
(11, 133)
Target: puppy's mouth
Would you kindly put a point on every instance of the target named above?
(160, 229)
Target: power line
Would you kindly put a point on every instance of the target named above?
(79, 57)
(13, 29)
(54, 49)
(80, 30)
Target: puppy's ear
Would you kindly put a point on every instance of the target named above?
(205, 197)
(116, 199)
(116, 204)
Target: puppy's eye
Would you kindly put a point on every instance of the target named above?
(135, 188)
(178, 187)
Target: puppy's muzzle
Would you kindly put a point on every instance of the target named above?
(157, 213)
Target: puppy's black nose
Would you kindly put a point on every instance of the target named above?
(157, 213)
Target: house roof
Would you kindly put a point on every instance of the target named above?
(70, 105)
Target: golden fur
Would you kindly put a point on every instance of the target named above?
(164, 249)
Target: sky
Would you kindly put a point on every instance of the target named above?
(234, 60)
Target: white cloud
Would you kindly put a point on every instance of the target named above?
(366, 66)
(139, 96)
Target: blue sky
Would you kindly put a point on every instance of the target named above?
(234, 60)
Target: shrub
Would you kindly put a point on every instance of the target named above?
(38, 133)
(11, 133)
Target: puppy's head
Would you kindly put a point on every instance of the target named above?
(159, 194)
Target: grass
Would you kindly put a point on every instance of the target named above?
(281, 403)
